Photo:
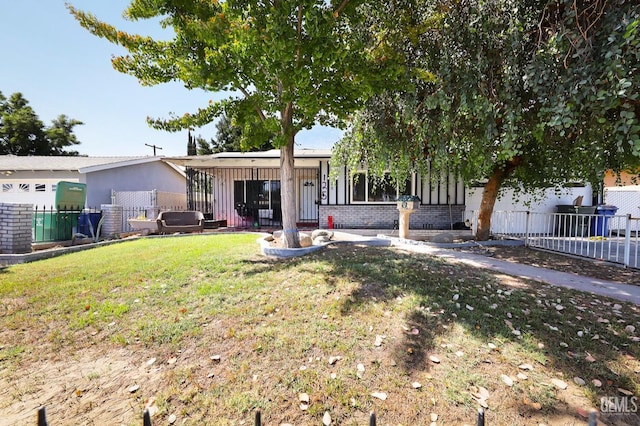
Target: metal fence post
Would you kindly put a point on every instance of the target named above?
(627, 241)
(526, 229)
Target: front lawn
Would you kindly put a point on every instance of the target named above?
(205, 330)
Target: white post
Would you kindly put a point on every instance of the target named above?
(627, 241)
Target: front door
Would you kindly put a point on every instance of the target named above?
(308, 198)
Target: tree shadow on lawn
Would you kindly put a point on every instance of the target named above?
(569, 333)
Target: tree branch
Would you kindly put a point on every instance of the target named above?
(258, 110)
(340, 8)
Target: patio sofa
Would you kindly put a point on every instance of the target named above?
(170, 222)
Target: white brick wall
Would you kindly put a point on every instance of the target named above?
(15, 228)
(383, 216)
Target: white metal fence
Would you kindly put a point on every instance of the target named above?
(613, 238)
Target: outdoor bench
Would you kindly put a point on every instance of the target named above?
(180, 221)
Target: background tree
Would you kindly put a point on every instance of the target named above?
(513, 93)
(22, 132)
(286, 65)
(228, 139)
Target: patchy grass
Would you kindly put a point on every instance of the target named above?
(210, 331)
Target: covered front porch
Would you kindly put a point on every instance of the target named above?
(243, 190)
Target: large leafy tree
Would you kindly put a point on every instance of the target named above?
(285, 65)
(22, 132)
(526, 93)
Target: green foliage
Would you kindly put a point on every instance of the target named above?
(22, 132)
(272, 59)
(543, 92)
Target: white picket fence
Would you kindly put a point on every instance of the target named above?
(613, 238)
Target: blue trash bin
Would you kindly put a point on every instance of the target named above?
(88, 222)
(600, 223)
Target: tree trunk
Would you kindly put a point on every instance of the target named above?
(290, 235)
(490, 194)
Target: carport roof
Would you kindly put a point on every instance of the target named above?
(271, 158)
(12, 163)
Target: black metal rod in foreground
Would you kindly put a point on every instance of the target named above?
(146, 418)
(42, 417)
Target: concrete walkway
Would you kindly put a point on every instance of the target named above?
(615, 290)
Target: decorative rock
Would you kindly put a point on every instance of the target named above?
(305, 240)
(322, 233)
(320, 240)
(172, 419)
(445, 237)
(326, 419)
(579, 381)
(380, 395)
(434, 359)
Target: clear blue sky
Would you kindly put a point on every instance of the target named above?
(62, 69)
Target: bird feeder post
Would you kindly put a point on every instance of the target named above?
(407, 204)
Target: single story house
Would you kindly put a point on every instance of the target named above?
(33, 179)
(243, 189)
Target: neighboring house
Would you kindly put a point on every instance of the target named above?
(243, 189)
(623, 192)
(625, 179)
(33, 179)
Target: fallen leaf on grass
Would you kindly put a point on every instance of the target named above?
(507, 380)
(560, 384)
(535, 405)
(625, 392)
(380, 395)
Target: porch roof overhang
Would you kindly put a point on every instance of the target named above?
(302, 158)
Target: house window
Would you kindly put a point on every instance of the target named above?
(249, 196)
(40, 187)
(7, 187)
(24, 187)
(368, 190)
(54, 186)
